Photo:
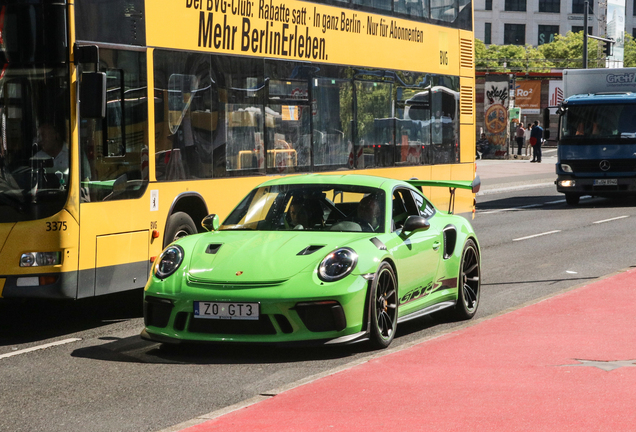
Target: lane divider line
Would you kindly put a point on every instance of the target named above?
(39, 347)
(528, 206)
(513, 188)
(612, 219)
(512, 209)
(536, 235)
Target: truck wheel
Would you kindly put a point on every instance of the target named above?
(179, 225)
(572, 199)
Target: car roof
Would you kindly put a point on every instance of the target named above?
(344, 179)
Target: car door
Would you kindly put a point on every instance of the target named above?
(416, 254)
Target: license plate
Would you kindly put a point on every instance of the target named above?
(606, 182)
(224, 310)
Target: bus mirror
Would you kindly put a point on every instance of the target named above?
(211, 222)
(93, 95)
(546, 134)
(87, 54)
(546, 118)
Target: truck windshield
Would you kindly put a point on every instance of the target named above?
(34, 106)
(581, 122)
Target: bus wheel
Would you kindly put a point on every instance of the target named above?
(572, 199)
(179, 225)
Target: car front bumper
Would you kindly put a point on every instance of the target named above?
(302, 309)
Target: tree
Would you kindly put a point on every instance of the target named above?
(507, 58)
(630, 51)
(567, 51)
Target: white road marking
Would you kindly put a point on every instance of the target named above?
(513, 188)
(529, 206)
(39, 347)
(612, 219)
(511, 209)
(536, 235)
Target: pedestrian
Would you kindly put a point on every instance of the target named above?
(519, 138)
(482, 147)
(527, 139)
(536, 137)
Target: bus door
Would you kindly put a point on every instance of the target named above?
(114, 216)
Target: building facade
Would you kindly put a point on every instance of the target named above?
(535, 22)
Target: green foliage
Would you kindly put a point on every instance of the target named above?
(507, 58)
(630, 51)
(565, 52)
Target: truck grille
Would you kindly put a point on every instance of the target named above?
(593, 166)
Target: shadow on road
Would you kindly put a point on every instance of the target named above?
(34, 320)
(135, 349)
(552, 202)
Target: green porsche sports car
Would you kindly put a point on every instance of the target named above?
(316, 258)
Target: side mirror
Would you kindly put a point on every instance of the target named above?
(476, 185)
(546, 134)
(415, 223)
(546, 118)
(210, 222)
(93, 95)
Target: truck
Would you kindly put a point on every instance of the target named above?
(596, 153)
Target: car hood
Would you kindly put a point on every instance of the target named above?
(263, 257)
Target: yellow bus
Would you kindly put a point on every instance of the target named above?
(124, 122)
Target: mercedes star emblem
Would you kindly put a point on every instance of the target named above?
(604, 165)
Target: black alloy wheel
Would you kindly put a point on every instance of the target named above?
(469, 282)
(383, 305)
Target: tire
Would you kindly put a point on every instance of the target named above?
(383, 307)
(469, 283)
(572, 199)
(179, 225)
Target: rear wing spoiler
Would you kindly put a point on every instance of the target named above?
(452, 185)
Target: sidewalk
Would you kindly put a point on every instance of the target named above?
(567, 363)
(515, 173)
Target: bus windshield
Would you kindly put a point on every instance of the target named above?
(602, 121)
(34, 106)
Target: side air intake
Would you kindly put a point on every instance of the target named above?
(310, 249)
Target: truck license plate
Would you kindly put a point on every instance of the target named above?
(606, 182)
(224, 310)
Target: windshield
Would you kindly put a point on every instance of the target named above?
(310, 208)
(581, 122)
(34, 101)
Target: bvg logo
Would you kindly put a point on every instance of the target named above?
(623, 78)
(444, 58)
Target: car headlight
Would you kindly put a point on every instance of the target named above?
(169, 261)
(566, 168)
(337, 264)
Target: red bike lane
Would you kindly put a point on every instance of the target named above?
(567, 363)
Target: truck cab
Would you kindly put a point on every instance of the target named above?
(597, 145)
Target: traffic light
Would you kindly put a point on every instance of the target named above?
(607, 48)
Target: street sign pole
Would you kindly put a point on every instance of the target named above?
(585, 35)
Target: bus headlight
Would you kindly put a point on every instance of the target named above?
(169, 261)
(337, 264)
(567, 183)
(38, 259)
(566, 168)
